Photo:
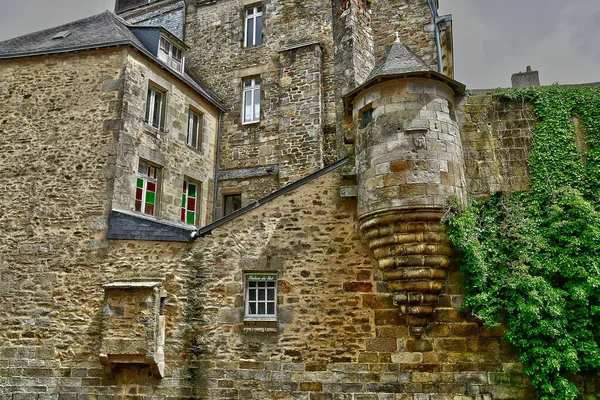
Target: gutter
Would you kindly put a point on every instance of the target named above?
(436, 30)
(216, 180)
(206, 230)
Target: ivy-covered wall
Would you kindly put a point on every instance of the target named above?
(531, 258)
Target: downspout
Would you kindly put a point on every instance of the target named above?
(436, 30)
(216, 180)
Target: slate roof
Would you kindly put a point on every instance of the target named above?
(95, 31)
(98, 31)
(400, 62)
(130, 226)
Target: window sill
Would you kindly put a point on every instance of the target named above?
(260, 319)
(152, 130)
(195, 149)
(270, 327)
(251, 122)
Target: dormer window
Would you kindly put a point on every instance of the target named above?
(171, 54)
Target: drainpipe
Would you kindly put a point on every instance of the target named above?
(216, 180)
(436, 30)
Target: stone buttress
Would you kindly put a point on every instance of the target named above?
(409, 161)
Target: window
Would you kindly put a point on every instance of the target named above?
(170, 54)
(261, 296)
(366, 117)
(194, 132)
(231, 203)
(253, 26)
(189, 202)
(146, 188)
(251, 100)
(155, 107)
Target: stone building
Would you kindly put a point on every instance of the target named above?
(234, 199)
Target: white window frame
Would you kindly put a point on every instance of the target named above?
(251, 90)
(171, 54)
(265, 283)
(147, 172)
(154, 119)
(194, 130)
(253, 14)
(184, 198)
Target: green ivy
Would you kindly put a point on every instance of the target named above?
(534, 257)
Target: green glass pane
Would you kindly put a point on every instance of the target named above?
(149, 198)
(192, 190)
(140, 183)
(191, 217)
(183, 200)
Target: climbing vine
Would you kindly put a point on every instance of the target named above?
(533, 258)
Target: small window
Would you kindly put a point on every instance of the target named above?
(146, 194)
(251, 100)
(253, 26)
(189, 202)
(194, 132)
(366, 117)
(170, 54)
(155, 107)
(231, 203)
(261, 296)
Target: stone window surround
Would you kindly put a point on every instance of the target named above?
(266, 316)
(186, 182)
(158, 186)
(226, 194)
(251, 89)
(199, 125)
(153, 89)
(256, 15)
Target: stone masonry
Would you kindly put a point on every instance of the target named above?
(367, 293)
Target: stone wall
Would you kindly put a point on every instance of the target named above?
(166, 148)
(58, 156)
(215, 33)
(496, 136)
(412, 19)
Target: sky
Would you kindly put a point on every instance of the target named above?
(492, 38)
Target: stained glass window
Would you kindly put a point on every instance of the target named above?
(189, 202)
(146, 188)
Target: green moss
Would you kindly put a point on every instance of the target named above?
(535, 256)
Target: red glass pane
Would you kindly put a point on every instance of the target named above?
(182, 215)
(151, 187)
(138, 194)
(191, 204)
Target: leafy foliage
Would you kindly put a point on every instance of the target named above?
(535, 256)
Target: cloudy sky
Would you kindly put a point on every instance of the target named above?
(492, 39)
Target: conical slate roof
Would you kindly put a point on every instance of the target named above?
(398, 60)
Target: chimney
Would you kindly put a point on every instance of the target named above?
(525, 79)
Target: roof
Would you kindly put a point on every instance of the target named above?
(98, 31)
(400, 62)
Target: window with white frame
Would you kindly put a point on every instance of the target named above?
(189, 202)
(170, 54)
(251, 112)
(261, 296)
(146, 193)
(194, 131)
(253, 26)
(155, 107)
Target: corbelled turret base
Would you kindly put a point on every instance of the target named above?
(413, 251)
